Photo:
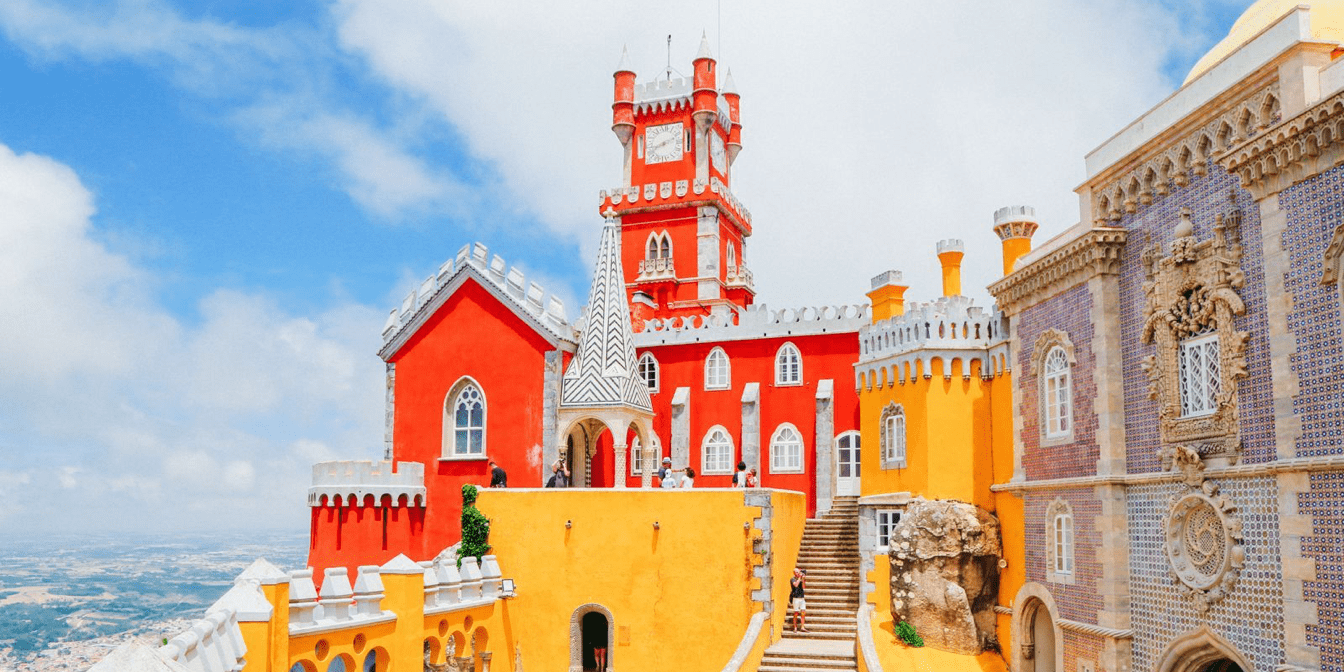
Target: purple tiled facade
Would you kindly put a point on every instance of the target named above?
(1069, 311)
(1078, 601)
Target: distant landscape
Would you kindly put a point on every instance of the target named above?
(67, 589)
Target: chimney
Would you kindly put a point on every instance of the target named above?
(950, 252)
(887, 296)
(1015, 225)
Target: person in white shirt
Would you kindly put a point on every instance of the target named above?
(688, 481)
(740, 476)
(671, 479)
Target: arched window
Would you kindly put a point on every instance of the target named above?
(788, 365)
(1058, 394)
(718, 371)
(652, 252)
(637, 455)
(731, 255)
(1200, 374)
(892, 436)
(464, 421)
(786, 450)
(648, 371)
(1059, 545)
(716, 453)
(665, 246)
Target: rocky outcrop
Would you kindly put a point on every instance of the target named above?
(945, 573)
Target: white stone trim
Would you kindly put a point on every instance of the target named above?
(351, 481)
(704, 453)
(1060, 510)
(788, 348)
(448, 448)
(1295, 465)
(727, 369)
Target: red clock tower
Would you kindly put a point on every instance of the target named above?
(683, 233)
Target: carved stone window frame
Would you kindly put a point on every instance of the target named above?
(1056, 509)
(889, 461)
(1046, 342)
(1192, 290)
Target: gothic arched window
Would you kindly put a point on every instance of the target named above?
(1058, 393)
(718, 371)
(786, 450)
(648, 371)
(464, 420)
(788, 365)
(716, 453)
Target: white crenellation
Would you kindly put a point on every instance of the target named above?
(756, 321)
(302, 598)
(350, 482)
(1015, 213)
(368, 592)
(662, 191)
(337, 596)
(212, 644)
(450, 583)
(946, 329)
(951, 245)
(531, 297)
(663, 90)
(491, 576)
(472, 580)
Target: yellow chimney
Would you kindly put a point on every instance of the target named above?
(887, 296)
(950, 252)
(1015, 225)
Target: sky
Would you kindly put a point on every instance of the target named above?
(207, 208)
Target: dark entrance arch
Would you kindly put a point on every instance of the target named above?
(1223, 665)
(594, 629)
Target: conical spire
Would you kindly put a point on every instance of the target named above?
(704, 47)
(729, 86)
(603, 372)
(624, 65)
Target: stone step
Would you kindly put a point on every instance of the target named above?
(811, 664)
(818, 634)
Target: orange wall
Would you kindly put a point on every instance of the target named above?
(367, 534)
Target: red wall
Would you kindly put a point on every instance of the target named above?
(824, 356)
(472, 334)
(343, 535)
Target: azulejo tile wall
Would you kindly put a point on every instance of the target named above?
(1251, 616)
(1315, 208)
(1216, 193)
(1069, 311)
(1326, 545)
(1080, 600)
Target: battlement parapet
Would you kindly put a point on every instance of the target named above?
(510, 282)
(947, 329)
(1014, 213)
(211, 644)
(352, 482)
(756, 321)
(663, 91)
(659, 193)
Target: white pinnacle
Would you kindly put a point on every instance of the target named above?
(704, 47)
(729, 86)
(624, 65)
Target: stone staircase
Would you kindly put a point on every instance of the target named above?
(830, 555)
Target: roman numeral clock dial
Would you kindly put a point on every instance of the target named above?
(663, 143)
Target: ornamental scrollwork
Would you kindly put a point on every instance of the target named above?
(1203, 539)
(1192, 292)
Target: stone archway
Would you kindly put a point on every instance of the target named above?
(576, 638)
(1038, 642)
(1202, 650)
(580, 438)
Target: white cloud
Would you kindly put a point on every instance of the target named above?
(871, 130)
(162, 425)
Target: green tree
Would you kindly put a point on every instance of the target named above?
(475, 527)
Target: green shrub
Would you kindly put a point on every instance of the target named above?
(906, 633)
(475, 527)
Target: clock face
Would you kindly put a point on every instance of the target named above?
(663, 143)
(716, 155)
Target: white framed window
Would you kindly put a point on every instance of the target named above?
(788, 365)
(1059, 541)
(1200, 375)
(716, 452)
(893, 436)
(731, 255)
(1058, 387)
(718, 370)
(648, 370)
(637, 456)
(786, 450)
(464, 421)
(886, 523)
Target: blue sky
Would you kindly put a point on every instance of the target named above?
(212, 205)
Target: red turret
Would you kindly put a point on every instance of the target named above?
(734, 125)
(705, 96)
(623, 109)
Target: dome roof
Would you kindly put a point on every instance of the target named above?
(1327, 23)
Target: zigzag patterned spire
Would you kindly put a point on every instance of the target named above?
(603, 372)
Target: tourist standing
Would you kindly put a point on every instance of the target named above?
(663, 470)
(752, 481)
(740, 476)
(797, 603)
(559, 475)
(688, 481)
(498, 479)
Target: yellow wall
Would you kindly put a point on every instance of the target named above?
(948, 436)
(1008, 506)
(897, 657)
(681, 592)
(789, 519)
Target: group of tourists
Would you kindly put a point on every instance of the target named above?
(668, 478)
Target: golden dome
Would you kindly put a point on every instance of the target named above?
(1327, 23)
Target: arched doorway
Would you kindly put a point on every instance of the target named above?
(593, 632)
(591, 627)
(1202, 650)
(1043, 638)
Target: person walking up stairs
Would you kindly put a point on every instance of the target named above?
(830, 555)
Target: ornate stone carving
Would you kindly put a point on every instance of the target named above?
(1047, 340)
(1170, 167)
(1192, 291)
(1203, 534)
(1095, 252)
(1292, 151)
